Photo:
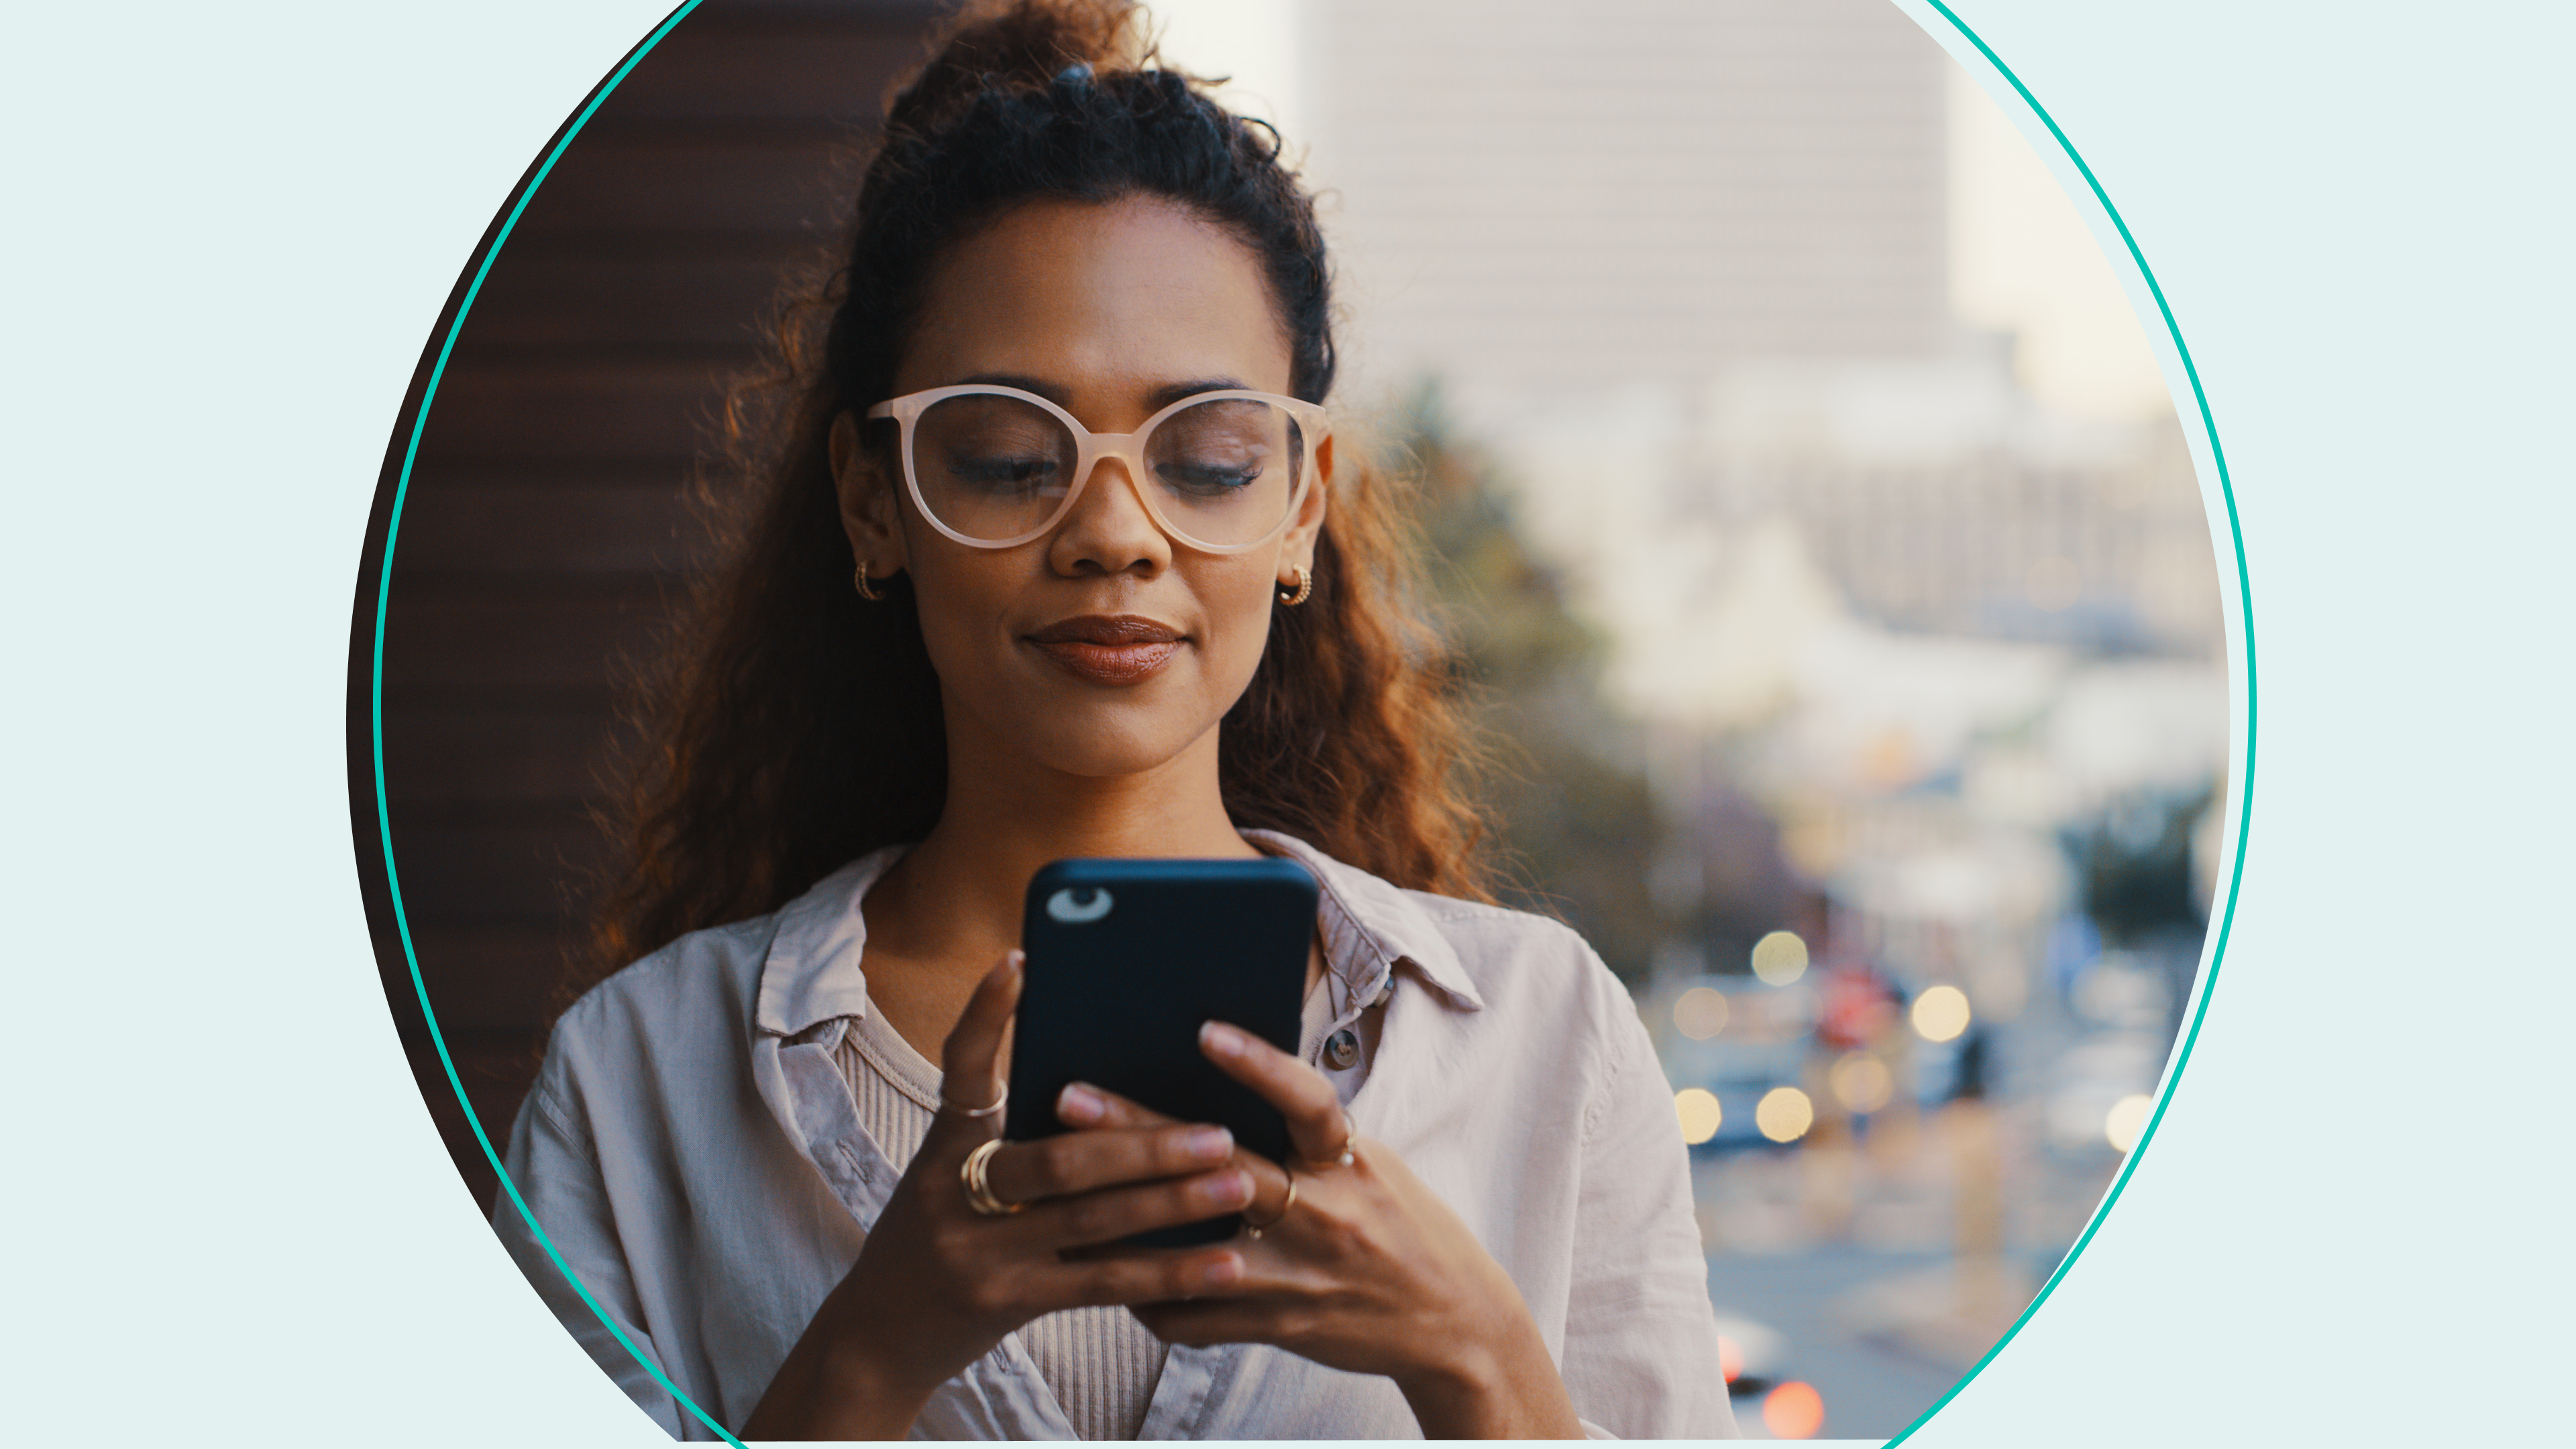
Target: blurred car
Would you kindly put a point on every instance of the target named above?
(1751, 1354)
(1762, 1040)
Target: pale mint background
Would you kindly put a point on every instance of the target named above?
(233, 226)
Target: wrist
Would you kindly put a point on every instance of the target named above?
(1466, 1376)
(1495, 1387)
(876, 1390)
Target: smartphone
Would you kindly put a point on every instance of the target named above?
(1126, 959)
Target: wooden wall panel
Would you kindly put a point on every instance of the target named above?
(546, 536)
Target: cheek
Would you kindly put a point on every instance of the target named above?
(1238, 606)
(959, 604)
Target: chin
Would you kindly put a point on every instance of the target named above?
(1093, 732)
(1106, 749)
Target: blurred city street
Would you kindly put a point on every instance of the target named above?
(1886, 1266)
(1816, 535)
(1870, 1389)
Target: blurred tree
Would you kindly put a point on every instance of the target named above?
(1580, 828)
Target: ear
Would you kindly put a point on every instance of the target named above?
(1297, 545)
(871, 511)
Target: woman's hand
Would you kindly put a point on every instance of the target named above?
(939, 1283)
(1365, 1269)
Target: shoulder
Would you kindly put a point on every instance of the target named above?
(690, 1001)
(1522, 961)
(1498, 943)
(720, 961)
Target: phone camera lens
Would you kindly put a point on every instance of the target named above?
(1074, 905)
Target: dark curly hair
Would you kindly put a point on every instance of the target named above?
(790, 728)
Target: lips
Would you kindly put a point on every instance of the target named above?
(1109, 649)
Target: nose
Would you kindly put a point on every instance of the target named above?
(1109, 531)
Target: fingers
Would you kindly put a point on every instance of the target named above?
(1093, 1109)
(1082, 1161)
(970, 1062)
(1316, 1123)
(1144, 1278)
(1111, 1215)
(1082, 1105)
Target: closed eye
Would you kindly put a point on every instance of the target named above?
(1206, 479)
(1006, 473)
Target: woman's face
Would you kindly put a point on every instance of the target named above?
(1102, 647)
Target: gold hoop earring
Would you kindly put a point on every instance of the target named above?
(1305, 586)
(864, 591)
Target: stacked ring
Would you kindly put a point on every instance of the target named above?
(979, 1112)
(979, 1189)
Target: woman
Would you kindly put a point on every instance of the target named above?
(959, 640)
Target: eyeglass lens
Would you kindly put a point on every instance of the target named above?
(993, 467)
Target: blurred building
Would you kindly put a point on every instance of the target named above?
(1538, 200)
(1690, 258)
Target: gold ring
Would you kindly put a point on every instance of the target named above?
(1254, 1230)
(1349, 1154)
(977, 1112)
(979, 1191)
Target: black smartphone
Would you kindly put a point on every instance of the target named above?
(1126, 958)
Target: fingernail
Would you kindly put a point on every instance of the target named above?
(1078, 1103)
(1218, 1272)
(1232, 1190)
(1210, 1144)
(1221, 1039)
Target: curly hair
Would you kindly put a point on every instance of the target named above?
(789, 727)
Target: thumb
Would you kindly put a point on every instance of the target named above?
(971, 1060)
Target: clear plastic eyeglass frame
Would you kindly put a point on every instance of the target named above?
(1091, 448)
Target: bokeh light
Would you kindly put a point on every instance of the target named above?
(1701, 1113)
(1941, 1013)
(1730, 1358)
(1784, 1114)
(2127, 1120)
(1861, 1082)
(1793, 1411)
(1701, 1012)
(1780, 958)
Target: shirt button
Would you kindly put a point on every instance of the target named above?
(1341, 1049)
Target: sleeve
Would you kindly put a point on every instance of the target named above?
(560, 1228)
(1641, 1357)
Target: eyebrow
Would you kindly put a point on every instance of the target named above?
(1157, 400)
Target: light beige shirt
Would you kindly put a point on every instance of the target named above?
(695, 1178)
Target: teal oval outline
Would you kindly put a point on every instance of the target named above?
(411, 957)
(376, 704)
(2245, 782)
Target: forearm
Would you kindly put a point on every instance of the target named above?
(833, 1388)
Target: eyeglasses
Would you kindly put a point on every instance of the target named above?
(992, 466)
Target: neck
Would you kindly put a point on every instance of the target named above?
(957, 896)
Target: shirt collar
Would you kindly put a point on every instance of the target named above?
(1388, 927)
(812, 974)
